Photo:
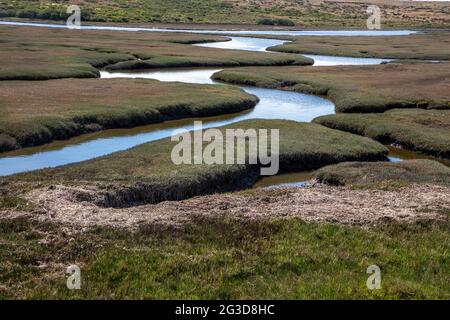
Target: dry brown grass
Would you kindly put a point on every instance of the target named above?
(316, 204)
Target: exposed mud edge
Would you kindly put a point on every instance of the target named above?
(122, 196)
(116, 195)
(315, 203)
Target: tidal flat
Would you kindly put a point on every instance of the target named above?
(142, 227)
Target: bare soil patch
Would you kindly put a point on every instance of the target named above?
(316, 203)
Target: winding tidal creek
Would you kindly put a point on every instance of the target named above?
(273, 104)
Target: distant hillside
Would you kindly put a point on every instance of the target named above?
(304, 13)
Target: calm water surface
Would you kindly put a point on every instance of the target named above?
(344, 33)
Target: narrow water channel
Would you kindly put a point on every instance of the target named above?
(344, 33)
(274, 104)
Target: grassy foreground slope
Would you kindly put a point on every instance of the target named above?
(226, 259)
(385, 174)
(153, 177)
(428, 46)
(427, 131)
(357, 88)
(306, 13)
(33, 113)
(45, 53)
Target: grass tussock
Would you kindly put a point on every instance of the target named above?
(187, 62)
(384, 174)
(357, 88)
(427, 131)
(222, 258)
(34, 113)
(154, 177)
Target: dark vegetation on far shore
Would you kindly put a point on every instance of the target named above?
(38, 112)
(426, 131)
(357, 88)
(302, 13)
(385, 174)
(154, 177)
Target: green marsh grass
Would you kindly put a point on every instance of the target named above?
(223, 258)
(34, 113)
(385, 174)
(357, 88)
(426, 131)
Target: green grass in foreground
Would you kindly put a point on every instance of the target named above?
(147, 174)
(385, 174)
(427, 131)
(33, 113)
(221, 258)
(357, 88)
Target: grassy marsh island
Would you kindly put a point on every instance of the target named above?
(423, 46)
(385, 174)
(37, 112)
(426, 131)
